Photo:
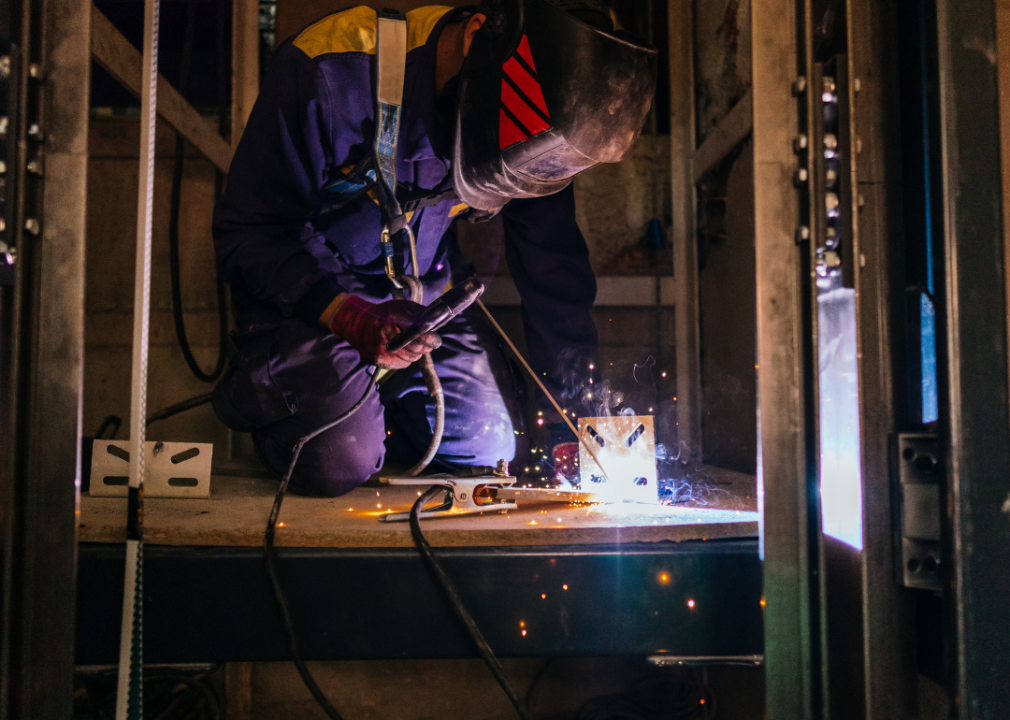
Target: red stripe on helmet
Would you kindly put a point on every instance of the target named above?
(524, 51)
(508, 132)
(527, 83)
(522, 112)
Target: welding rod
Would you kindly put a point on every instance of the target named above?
(515, 350)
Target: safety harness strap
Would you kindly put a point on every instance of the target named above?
(391, 61)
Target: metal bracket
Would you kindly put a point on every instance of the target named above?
(174, 469)
(463, 496)
(917, 503)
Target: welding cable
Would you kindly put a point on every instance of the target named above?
(431, 380)
(457, 603)
(173, 231)
(268, 556)
(183, 406)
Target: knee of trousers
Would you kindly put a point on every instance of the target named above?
(331, 464)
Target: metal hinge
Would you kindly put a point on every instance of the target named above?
(919, 476)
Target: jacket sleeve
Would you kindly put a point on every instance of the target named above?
(262, 221)
(549, 262)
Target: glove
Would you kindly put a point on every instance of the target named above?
(367, 327)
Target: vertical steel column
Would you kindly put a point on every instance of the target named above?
(50, 126)
(784, 306)
(873, 148)
(682, 232)
(245, 64)
(974, 417)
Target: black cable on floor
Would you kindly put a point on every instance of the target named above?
(268, 556)
(457, 603)
(173, 233)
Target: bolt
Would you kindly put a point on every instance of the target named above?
(802, 234)
(830, 141)
(861, 201)
(159, 447)
(831, 201)
(801, 176)
(859, 145)
(32, 226)
(34, 71)
(5, 67)
(3, 167)
(829, 86)
(35, 132)
(799, 85)
(799, 143)
(4, 122)
(857, 85)
(831, 177)
(463, 496)
(862, 260)
(3, 224)
(503, 468)
(34, 166)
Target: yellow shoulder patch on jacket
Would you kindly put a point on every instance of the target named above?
(421, 22)
(352, 30)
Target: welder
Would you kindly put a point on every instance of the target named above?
(365, 138)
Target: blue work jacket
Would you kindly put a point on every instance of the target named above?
(286, 252)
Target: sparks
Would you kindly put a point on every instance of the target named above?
(690, 603)
(564, 587)
(281, 524)
(543, 596)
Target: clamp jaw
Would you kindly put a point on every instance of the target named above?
(463, 496)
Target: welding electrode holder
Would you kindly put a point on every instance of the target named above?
(441, 311)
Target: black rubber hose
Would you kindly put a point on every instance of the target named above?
(173, 232)
(179, 407)
(457, 603)
(268, 556)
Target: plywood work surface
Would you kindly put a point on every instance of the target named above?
(717, 504)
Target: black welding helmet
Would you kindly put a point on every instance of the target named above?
(542, 97)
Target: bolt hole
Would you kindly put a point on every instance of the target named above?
(913, 565)
(909, 454)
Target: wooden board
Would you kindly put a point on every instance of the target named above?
(723, 504)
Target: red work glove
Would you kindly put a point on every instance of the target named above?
(369, 326)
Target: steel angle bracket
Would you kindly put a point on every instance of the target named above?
(463, 496)
(174, 469)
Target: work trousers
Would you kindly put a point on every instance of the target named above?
(289, 378)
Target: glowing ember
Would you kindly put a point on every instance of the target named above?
(564, 587)
(690, 603)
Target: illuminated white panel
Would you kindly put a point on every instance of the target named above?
(841, 481)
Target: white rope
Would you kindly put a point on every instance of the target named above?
(129, 695)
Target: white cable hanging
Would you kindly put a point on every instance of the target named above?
(129, 693)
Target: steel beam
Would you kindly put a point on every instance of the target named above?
(124, 62)
(873, 147)
(215, 604)
(682, 231)
(53, 70)
(974, 416)
(245, 64)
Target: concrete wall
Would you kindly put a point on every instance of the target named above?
(111, 239)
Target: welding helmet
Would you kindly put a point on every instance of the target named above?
(542, 97)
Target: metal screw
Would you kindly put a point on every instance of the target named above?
(3, 224)
(34, 71)
(831, 201)
(802, 234)
(32, 226)
(861, 201)
(831, 177)
(857, 85)
(830, 141)
(35, 132)
(34, 166)
(3, 167)
(859, 145)
(829, 86)
(801, 176)
(5, 67)
(4, 122)
(503, 468)
(799, 143)
(462, 496)
(862, 260)
(799, 85)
